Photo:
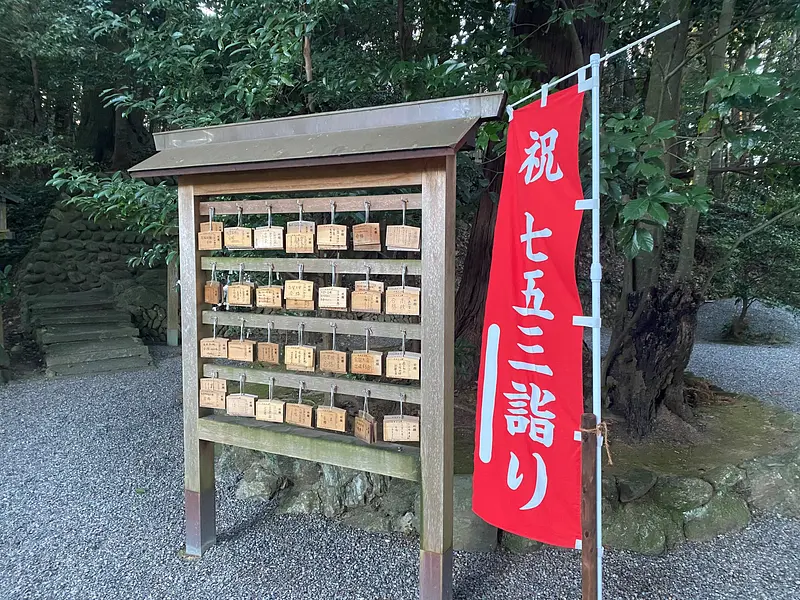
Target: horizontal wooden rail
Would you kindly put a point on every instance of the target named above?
(314, 205)
(312, 444)
(355, 266)
(316, 383)
(314, 324)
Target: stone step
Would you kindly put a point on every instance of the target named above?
(91, 355)
(100, 366)
(77, 347)
(86, 332)
(92, 298)
(71, 317)
(68, 306)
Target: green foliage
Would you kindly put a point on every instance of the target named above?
(6, 287)
(637, 193)
(126, 202)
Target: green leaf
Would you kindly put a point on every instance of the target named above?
(658, 212)
(655, 186)
(643, 239)
(635, 209)
(671, 198)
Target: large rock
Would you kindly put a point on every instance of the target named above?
(367, 519)
(299, 502)
(470, 532)
(635, 484)
(725, 512)
(773, 484)
(725, 477)
(641, 527)
(259, 483)
(681, 493)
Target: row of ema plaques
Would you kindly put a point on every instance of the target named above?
(302, 236)
(301, 357)
(396, 428)
(298, 294)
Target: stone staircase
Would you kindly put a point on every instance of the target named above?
(84, 332)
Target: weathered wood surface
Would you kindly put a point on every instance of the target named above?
(314, 265)
(314, 324)
(173, 303)
(198, 454)
(353, 176)
(436, 439)
(317, 382)
(377, 202)
(588, 507)
(313, 444)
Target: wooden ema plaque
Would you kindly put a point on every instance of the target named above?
(270, 410)
(212, 399)
(238, 238)
(331, 417)
(402, 237)
(210, 226)
(299, 289)
(213, 384)
(268, 238)
(300, 237)
(268, 353)
(212, 292)
(299, 358)
(332, 237)
(214, 347)
(400, 428)
(269, 296)
(401, 365)
(243, 350)
(333, 361)
(209, 240)
(241, 405)
(298, 414)
(241, 294)
(367, 297)
(402, 300)
(367, 236)
(333, 298)
(365, 427)
(366, 363)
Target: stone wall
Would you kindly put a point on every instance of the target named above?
(643, 511)
(75, 254)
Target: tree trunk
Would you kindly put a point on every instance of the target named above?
(36, 99)
(132, 140)
(401, 28)
(646, 372)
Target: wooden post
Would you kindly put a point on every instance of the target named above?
(589, 506)
(173, 301)
(436, 410)
(198, 454)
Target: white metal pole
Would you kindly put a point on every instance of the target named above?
(596, 276)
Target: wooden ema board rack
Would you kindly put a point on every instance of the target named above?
(432, 269)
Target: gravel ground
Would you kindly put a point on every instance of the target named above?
(91, 506)
(770, 372)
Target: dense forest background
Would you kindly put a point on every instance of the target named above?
(701, 137)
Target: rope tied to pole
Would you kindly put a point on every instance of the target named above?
(601, 430)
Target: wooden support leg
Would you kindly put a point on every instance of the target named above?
(201, 530)
(173, 301)
(198, 455)
(436, 411)
(589, 507)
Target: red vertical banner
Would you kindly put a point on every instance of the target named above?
(530, 392)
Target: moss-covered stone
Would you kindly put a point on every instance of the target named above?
(681, 493)
(725, 477)
(641, 527)
(516, 544)
(634, 484)
(725, 512)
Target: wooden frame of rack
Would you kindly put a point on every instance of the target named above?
(433, 170)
